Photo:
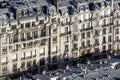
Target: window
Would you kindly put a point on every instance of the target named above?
(29, 63)
(3, 40)
(117, 31)
(75, 37)
(42, 51)
(33, 24)
(75, 46)
(88, 34)
(27, 25)
(88, 42)
(14, 57)
(104, 31)
(23, 65)
(28, 54)
(42, 61)
(104, 39)
(96, 23)
(82, 35)
(53, 20)
(104, 21)
(104, 48)
(88, 25)
(96, 41)
(66, 29)
(110, 30)
(34, 53)
(4, 49)
(109, 38)
(97, 32)
(15, 67)
(54, 49)
(4, 70)
(54, 30)
(75, 28)
(66, 39)
(54, 39)
(83, 44)
(117, 38)
(41, 21)
(14, 26)
(82, 17)
(22, 26)
(22, 55)
(108, 11)
(3, 29)
(109, 47)
(66, 47)
(4, 60)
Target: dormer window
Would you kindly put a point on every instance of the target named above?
(37, 10)
(14, 26)
(41, 21)
(24, 13)
(29, 12)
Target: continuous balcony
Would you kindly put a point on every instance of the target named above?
(66, 33)
(97, 44)
(86, 29)
(106, 25)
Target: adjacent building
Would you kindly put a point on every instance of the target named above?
(49, 33)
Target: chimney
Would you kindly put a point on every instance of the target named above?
(56, 3)
(76, 4)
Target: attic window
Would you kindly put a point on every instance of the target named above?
(13, 26)
(41, 21)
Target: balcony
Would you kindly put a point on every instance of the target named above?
(83, 47)
(66, 50)
(86, 29)
(75, 49)
(4, 63)
(88, 46)
(29, 38)
(97, 44)
(75, 39)
(29, 57)
(54, 42)
(23, 39)
(14, 60)
(103, 16)
(116, 41)
(23, 58)
(66, 59)
(54, 52)
(66, 33)
(14, 50)
(35, 36)
(104, 42)
(116, 16)
(106, 25)
(54, 61)
(42, 54)
(64, 24)
(14, 41)
(116, 25)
